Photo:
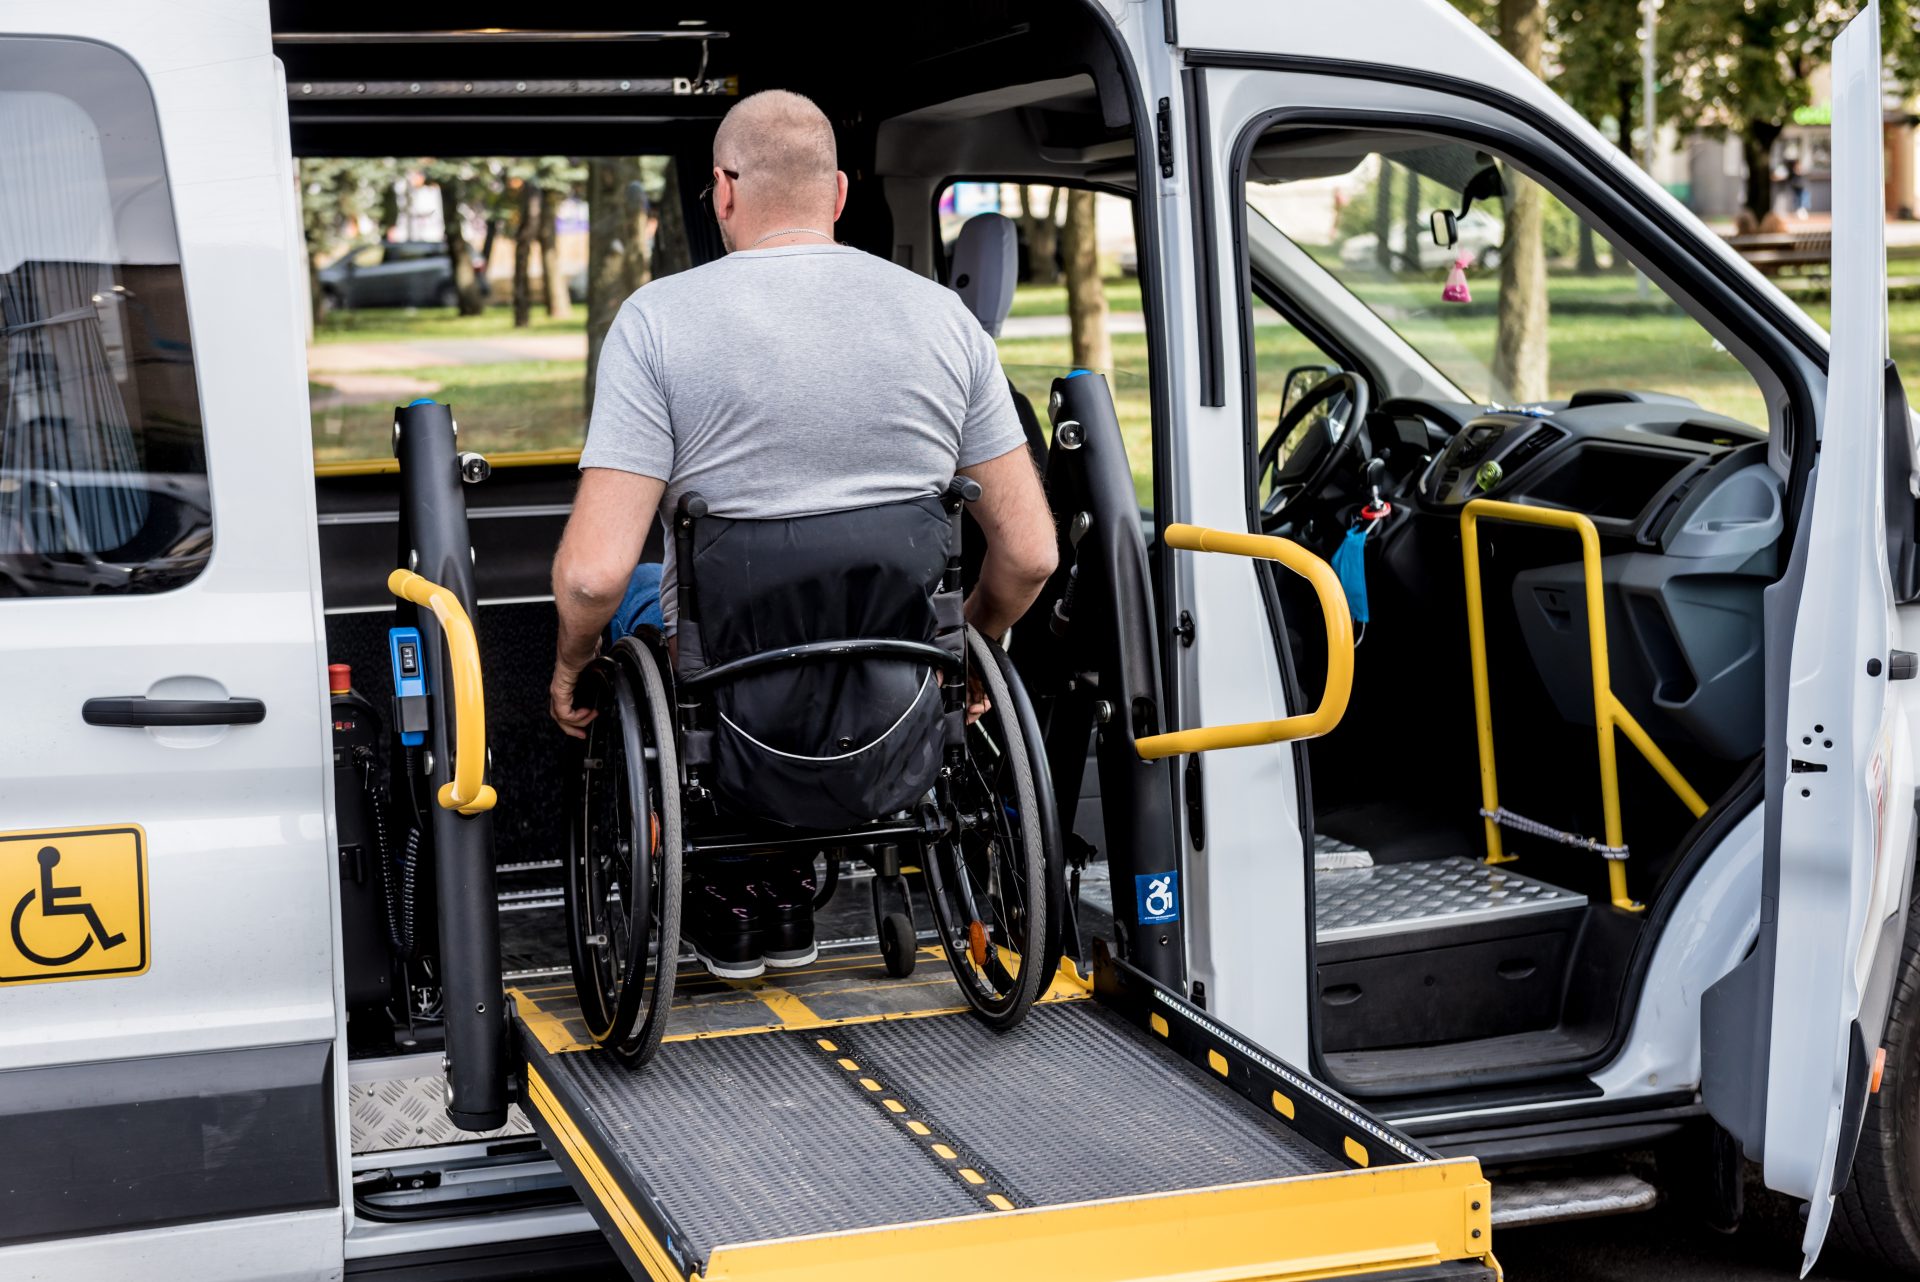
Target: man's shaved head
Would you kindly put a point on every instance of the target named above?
(782, 147)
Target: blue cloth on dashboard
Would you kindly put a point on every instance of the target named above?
(1350, 563)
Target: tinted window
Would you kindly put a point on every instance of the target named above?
(103, 476)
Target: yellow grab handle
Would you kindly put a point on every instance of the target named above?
(468, 792)
(1333, 606)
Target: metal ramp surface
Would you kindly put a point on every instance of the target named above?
(830, 1123)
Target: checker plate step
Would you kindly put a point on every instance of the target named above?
(1395, 899)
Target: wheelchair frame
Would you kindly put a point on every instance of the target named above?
(993, 932)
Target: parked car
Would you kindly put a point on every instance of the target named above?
(401, 273)
(1480, 235)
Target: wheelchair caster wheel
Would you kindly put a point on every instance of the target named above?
(898, 947)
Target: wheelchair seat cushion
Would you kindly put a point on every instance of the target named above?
(829, 743)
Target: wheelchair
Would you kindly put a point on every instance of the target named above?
(814, 704)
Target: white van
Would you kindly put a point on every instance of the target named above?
(1640, 499)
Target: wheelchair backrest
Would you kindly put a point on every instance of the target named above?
(811, 657)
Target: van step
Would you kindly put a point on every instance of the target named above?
(1517, 1203)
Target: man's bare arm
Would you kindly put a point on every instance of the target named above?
(1021, 552)
(612, 513)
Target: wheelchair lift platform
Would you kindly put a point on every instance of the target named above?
(832, 1123)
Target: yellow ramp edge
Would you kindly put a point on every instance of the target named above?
(1347, 1224)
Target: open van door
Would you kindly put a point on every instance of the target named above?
(1841, 854)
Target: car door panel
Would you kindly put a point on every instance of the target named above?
(231, 1031)
(1845, 841)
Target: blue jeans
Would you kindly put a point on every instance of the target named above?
(641, 605)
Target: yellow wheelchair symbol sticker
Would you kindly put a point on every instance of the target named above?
(75, 904)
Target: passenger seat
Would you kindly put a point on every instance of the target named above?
(984, 271)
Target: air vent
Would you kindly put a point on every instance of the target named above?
(1538, 440)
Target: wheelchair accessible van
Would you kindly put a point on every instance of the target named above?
(813, 703)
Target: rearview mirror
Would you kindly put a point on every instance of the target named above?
(1445, 228)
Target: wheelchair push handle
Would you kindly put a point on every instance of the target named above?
(961, 490)
(468, 792)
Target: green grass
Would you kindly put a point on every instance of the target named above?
(1603, 335)
(511, 405)
(1123, 295)
(398, 324)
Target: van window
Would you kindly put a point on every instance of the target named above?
(1036, 340)
(1366, 206)
(103, 472)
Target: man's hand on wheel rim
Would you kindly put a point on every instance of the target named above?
(560, 695)
(977, 701)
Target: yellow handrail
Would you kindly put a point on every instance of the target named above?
(468, 792)
(1333, 606)
(1608, 712)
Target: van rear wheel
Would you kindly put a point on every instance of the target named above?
(1877, 1216)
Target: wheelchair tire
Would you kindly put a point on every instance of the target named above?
(624, 928)
(898, 947)
(988, 879)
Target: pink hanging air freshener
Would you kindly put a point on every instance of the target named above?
(1456, 290)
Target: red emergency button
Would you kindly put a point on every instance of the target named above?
(340, 678)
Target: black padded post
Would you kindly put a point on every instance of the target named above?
(434, 543)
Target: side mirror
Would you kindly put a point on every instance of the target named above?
(1302, 379)
(1445, 228)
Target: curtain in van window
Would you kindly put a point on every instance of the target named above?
(68, 463)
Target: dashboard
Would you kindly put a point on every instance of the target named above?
(1611, 455)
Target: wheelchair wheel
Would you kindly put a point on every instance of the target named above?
(988, 879)
(623, 865)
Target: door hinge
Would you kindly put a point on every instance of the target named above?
(1165, 116)
(1902, 665)
(1185, 629)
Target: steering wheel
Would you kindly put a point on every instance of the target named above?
(1286, 496)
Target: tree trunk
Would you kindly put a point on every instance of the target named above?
(1520, 369)
(1086, 292)
(525, 215)
(465, 283)
(1756, 145)
(616, 250)
(486, 244)
(552, 279)
(1383, 218)
(670, 251)
(1042, 230)
(1412, 234)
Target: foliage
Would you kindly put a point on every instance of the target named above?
(1732, 67)
(1597, 54)
(336, 193)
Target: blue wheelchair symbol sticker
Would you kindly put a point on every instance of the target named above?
(1159, 897)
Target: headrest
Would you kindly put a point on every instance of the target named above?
(986, 260)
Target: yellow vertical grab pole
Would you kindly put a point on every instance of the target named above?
(1608, 712)
(1482, 700)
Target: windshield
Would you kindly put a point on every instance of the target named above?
(1528, 303)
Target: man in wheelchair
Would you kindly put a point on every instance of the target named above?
(800, 411)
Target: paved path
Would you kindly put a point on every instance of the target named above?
(414, 353)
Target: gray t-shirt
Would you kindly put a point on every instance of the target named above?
(797, 380)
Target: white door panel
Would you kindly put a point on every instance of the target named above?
(240, 883)
(1846, 835)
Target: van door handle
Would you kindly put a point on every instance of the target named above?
(138, 710)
